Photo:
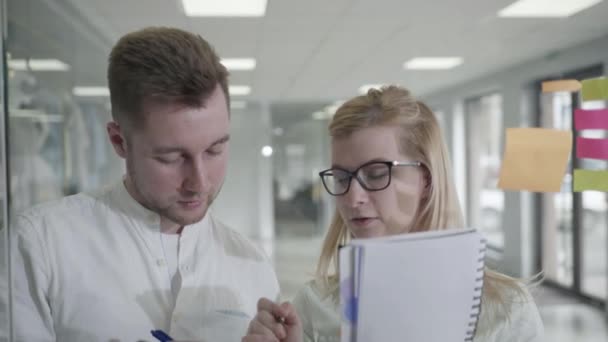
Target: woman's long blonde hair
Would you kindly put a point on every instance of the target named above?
(421, 140)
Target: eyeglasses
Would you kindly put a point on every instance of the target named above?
(373, 176)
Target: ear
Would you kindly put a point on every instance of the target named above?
(117, 139)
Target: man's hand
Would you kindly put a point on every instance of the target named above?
(274, 323)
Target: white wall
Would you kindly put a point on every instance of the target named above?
(518, 108)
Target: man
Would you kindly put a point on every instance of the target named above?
(145, 254)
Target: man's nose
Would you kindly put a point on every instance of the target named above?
(196, 177)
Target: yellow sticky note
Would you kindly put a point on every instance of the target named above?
(590, 180)
(595, 89)
(535, 159)
(561, 85)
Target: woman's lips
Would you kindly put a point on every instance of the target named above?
(363, 221)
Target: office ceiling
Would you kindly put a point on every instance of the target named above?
(314, 50)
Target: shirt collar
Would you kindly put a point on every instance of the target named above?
(133, 209)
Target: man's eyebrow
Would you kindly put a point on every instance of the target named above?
(170, 149)
(167, 150)
(221, 140)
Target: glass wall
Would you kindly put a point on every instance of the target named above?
(55, 128)
(302, 208)
(55, 104)
(484, 134)
(557, 208)
(58, 105)
(301, 152)
(575, 225)
(594, 225)
(5, 278)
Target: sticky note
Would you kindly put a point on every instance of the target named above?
(590, 180)
(591, 119)
(595, 89)
(561, 85)
(535, 159)
(592, 148)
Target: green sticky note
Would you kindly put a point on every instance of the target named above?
(595, 89)
(590, 180)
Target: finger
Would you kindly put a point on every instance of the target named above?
(259, 338)
(290, 313)
(265, 304)
(269, 321)
(257, 328)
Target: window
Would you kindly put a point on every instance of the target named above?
(574, 225)
(594, 223)
(484, 134)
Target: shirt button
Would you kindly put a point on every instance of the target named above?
(160, 262)
(185, 268)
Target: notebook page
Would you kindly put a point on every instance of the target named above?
(418, 289)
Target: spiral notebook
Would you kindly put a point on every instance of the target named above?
(413, 287)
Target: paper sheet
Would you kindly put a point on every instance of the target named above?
(403, 293)
(561, 85)
(535, 159)
(348, 301)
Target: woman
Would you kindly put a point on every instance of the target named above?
(390, 175)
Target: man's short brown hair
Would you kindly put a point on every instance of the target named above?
(161, 65)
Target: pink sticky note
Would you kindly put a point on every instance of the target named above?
(591, 119)
(592, 148)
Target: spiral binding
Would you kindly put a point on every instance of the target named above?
(476, 308)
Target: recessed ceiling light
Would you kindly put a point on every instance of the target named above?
(332, 108)
(37, 115)
(432, 63)
(237, 90)
(38, 65)
(320, 115)
(91, 91)
(17, 64)
(238, 104)
(365, 88)
(224, 8)
(545, 8)
(267, 151)
(239, 63)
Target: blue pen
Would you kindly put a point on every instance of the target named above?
(161, 335)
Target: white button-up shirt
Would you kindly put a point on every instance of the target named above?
(91, 268)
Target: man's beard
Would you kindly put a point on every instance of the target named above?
(173, 215)
(169, 210)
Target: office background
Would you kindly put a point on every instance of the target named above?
(291, 66)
